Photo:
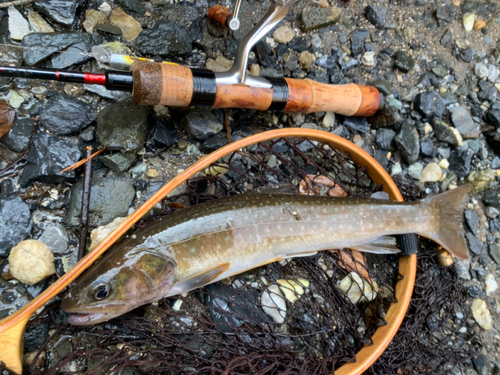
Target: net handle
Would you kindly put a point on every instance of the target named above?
(12, 327)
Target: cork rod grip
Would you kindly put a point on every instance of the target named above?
(174, 85)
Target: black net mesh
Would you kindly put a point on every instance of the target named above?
(303, 316)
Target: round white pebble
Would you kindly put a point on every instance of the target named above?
(274, 304)
(31, 261)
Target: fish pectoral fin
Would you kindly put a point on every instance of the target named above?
(198, 280)
(298, 255)
(381, 245)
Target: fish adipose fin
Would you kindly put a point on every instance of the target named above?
(449, 207)
(381, 245)
(199, 279)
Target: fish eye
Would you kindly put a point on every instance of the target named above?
(100, 290)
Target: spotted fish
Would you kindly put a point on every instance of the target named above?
(208, 242)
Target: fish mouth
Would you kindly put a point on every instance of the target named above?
(82, 319)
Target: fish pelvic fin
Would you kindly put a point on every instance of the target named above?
(380, 245)
(450, 206)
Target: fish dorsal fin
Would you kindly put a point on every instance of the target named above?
(381, 245)
(198, 280)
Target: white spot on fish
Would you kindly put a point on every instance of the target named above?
(193, 250)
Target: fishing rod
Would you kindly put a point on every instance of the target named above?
(160, 83)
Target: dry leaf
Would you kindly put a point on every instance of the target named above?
(319, 185)
(353, 260)
(7, 117)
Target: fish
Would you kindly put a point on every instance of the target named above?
(205, 243)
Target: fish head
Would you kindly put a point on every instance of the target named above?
(118, 284)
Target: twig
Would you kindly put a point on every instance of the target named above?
(76, 165)
(84, 224)
(16, 3)
(226, 124)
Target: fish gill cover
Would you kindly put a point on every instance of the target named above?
(303, 316)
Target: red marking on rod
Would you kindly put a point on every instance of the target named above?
(94, 79)
(57, 75)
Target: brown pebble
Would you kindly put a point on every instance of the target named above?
(444, 258)
(152, 173)
(479, 24)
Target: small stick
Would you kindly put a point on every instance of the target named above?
(84, 224)
(226, 124)
(16, 3)
(76, 165)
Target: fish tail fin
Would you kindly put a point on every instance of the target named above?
(450, 206)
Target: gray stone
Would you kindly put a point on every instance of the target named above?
(201, 123)
(491, 212)
(165, 38)
(463, 122)
(445, 14)
(463, 268)
(475, 244)
(408, 143)
(359, 124)
(11, 56)
(429, 104)
(56, 238)
(18, 138)
(63, 114)
(315, 18)
(403, 61)
(481, 70)
(380, 17)
(472, 221)
(110, 198)
(132, 6)
(495, 163)
(492, 198)
(130, 136)
(62, 11)
(493, 117)
(108, 94)
(15, 223)
(117, 162)
(385, 138)
(494, 251)
(47, 157)
(357, 41)
(460, 162)
(382, 85)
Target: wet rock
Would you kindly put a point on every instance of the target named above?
(431, 173)
(429, 104)
(379, 17)
(213, 143)
(493, 117)
(274, 304)
(165, 38)
(130, 28)
(18, 138)
(475, 244)
(56, 238)
(404, 61)
(93, 18)
(460, 162)
(472, 221)
(201, 123)
(36, 336)
(100, 233)
(445, 133)
(15, 223)
(481, 313)
(63, 114)
(358, 40)
(38, 23)
(359, 124)
(109, 28)
(47, 157)
(283, 34)
(11, 56)
(110, 197)
(385, 138)
(481, 364)
(489, 93)
(62, 11)
(130, 136)
(18, 26)
(408, 143)
(132, 6)
(117, 162)
(44, 45)
(382, 85)
(31, 261)
(462, 120)
(315, 18)
(162, 134)
(492, 198)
